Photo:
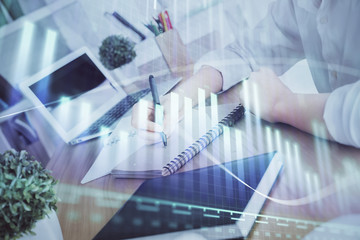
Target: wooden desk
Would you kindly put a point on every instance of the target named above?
(310, 165)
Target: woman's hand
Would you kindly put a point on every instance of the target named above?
(265, 95)
(143, 118)
(207, 79)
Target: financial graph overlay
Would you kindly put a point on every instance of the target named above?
(201, 198)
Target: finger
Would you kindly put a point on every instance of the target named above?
(266, 70)
(143, 115)
(150, 137)
(151, 127)
(245, 94)
(253, 76)
(147, 125)
(263, 69)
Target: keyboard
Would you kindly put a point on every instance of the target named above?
(108, 119)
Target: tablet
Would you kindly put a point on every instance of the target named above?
(210, 203)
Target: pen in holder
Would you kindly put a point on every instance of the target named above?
(174, 52)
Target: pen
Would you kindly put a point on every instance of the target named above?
(158, 108)
(168, 19)
(127, 24)
(158, 22)
(152, 28)
(163, 21)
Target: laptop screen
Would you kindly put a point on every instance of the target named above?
(73, 92)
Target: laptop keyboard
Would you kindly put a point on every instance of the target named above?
(115, 113)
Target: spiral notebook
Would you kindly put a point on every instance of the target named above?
(193, 134)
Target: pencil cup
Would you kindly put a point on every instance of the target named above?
(174, 51)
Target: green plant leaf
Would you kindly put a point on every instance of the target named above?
(29, 181)
(46, 189)
(26, 207)
(18, 171)
(9, 176)
(13, 209)
(26, 193)
(6, 218)
(34, 188)
(13, 182)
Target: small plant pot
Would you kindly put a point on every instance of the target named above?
(47, 228)
(26, 186)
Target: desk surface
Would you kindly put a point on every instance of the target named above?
(324, 171)
(322, 174)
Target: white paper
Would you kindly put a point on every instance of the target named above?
(154, 157)
(125, 151)
(120, 144)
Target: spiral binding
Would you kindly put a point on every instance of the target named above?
(202, 142)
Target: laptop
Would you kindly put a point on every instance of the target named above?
(78, 97)
(206, 203)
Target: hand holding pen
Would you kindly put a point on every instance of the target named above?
(159, 111)
(143, 118)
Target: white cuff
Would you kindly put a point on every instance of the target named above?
(231, 66)
(342, 114)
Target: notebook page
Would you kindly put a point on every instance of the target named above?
(154, 157)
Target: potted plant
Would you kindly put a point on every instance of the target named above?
(116, 53)
(27, 196)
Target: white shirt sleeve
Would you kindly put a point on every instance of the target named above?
(231, 66)
(275, 42)
(342, 114)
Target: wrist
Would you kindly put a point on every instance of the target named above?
(213, 79)
(207, 78)
(284, 107)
